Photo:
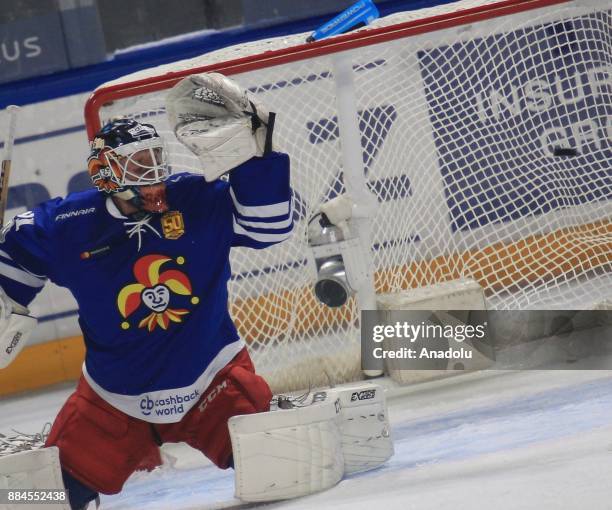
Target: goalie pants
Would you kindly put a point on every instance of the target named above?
(101, 446)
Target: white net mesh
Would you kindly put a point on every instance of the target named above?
(458, 132)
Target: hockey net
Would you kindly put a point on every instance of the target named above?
(461, 109)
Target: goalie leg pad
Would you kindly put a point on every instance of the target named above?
(364, 427)
(292, 452)
(99, 445)
(235, 390)
(287, 453)
(33, 469)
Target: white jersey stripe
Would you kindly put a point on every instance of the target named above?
(275, 225)
(261, 211)
(21, 276)
(7, 256)
(263, 238)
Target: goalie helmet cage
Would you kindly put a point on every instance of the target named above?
(462, 110)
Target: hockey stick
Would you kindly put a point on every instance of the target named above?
(8, 157)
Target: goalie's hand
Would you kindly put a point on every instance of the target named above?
(219, 121)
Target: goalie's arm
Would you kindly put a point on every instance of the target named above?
(24, 264)
(261, 201)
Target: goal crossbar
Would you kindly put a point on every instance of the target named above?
(364, 37)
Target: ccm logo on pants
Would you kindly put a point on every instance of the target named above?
(212, 395)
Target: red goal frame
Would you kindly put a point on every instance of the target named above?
(107, 94)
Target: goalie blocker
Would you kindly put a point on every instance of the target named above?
(286, 453)
(16, 325)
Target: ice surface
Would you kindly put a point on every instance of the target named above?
(503, 440)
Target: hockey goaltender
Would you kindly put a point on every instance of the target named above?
(146, 256)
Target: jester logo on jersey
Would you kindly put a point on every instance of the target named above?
(153, 289)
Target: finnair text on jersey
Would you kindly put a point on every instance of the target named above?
(72, 214)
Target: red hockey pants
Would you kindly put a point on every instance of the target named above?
(101, 446)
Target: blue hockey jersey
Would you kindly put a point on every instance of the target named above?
(152, 294)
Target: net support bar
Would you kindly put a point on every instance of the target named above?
(354, 176)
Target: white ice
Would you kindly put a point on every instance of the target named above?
(502, 440)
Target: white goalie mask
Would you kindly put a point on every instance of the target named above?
(126, 154)
(141, 163)
(130, 160)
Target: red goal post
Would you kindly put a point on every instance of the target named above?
(459, 110)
